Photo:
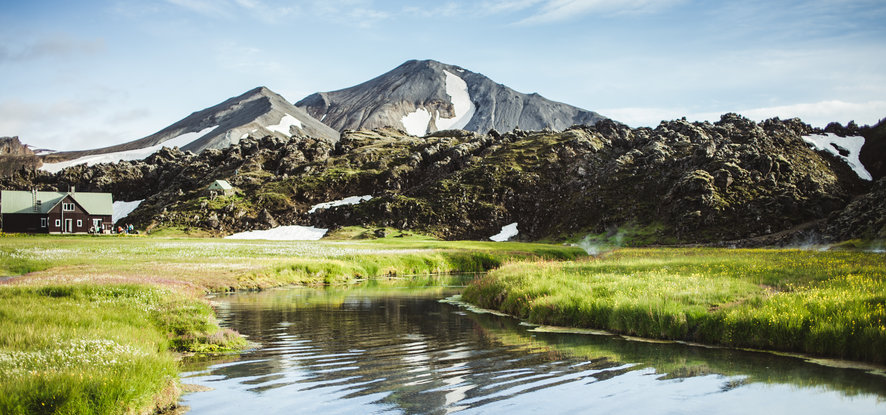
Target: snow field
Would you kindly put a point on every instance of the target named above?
(285, 124)
(416, 123)
(353, 200)
(507, 232)
(457, 89)
(283, 233)
(852, 144)
(123, 209)
(128, 155)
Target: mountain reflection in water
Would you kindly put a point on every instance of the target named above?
(403, 351)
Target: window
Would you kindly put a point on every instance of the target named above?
(58, 223)
(79, 223)
(44, 222)
(68, 207)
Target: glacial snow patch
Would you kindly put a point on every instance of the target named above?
(353, 200)
(416, 123)
(123, 209)
(851, 144)
(507, 232)
(285, 124)
(464, 108)
(283, 233)
(128, 155)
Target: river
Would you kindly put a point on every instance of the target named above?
(401, 350)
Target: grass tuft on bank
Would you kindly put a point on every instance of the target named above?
(823, 303)
(98, 349)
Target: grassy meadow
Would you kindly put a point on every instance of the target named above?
(96, 349)
(822, 303)
(92, 325)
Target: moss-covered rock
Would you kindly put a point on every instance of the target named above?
(690, 182)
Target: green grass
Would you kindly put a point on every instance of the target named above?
(90, 349)
(219, 265)
(823, 303)
(92, 326)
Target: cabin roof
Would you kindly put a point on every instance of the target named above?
(220, 184)
(17, 201)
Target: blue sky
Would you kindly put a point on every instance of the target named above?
(84, 74)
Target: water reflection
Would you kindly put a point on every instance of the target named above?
(402, 351)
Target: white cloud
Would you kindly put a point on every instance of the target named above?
(266, 12)
(445, 10)
(206, 7)
(495, 7)
(62, 46)
(235, 9)
(74, 123)
(248, 59)
(557, 10)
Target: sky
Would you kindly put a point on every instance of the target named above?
(87, 74)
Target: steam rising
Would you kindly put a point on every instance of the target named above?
(595, 245)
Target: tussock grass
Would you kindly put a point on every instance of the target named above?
(824, 303)
(93, 349)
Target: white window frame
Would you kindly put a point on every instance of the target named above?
(58, 223)
(79, 223)
(44, 222)
(68, 207)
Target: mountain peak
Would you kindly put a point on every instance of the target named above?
(257, 112)
(423, 96)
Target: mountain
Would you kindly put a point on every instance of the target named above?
(421, 97)
(258, 112)
(734, 182)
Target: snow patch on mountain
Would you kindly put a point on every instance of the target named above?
(464, 108)
(353, 200)
(128, 155)
(285, 124)
(507, 232)
(416, 123)
(283, 233)
(123, 209)
(833, 143)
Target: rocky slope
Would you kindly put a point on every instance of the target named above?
(258, 112)
(681, 182)
(873, 155)
(15, 156)
(427, 96)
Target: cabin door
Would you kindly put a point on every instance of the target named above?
(69, 225)
(97, 225)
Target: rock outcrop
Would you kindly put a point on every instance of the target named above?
(15, 156)
(873, 154)
(680, 182)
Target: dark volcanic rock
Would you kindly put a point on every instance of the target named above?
(864, 218)
(15, 156)
(680, 182)
(873, 153)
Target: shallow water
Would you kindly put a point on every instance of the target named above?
(389, 350)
